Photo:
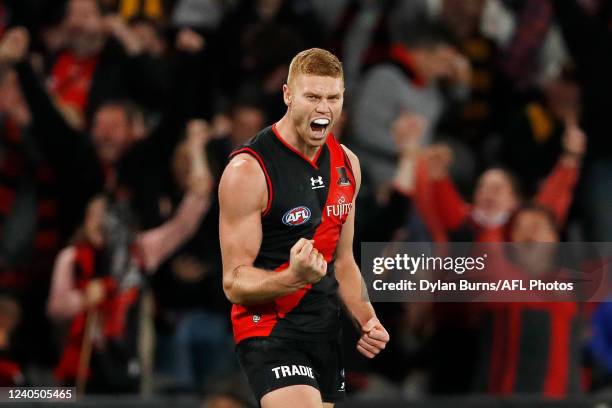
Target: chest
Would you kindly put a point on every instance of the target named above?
(306, 196)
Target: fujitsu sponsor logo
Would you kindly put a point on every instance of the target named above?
(340, 209)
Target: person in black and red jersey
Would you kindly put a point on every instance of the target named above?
(286, 228)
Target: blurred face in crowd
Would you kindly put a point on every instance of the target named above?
(84, 26)
(111, 133)
(532, 229)
(315, 103)
(54, 38)
(495, 195)
(148, 35)
(246, 121)
(94, 222)
(533, 226)
(462, 16)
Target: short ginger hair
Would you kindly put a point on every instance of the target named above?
(315, 61)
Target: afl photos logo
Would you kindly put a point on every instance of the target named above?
(296, 216)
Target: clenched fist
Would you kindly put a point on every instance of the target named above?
(306, 262)
(374, 338)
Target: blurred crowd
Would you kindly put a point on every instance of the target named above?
(474, 121)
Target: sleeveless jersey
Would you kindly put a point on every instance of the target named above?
(306, 199)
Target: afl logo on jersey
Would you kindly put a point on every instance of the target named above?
(296, 216)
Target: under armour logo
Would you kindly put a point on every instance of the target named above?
(317, 182)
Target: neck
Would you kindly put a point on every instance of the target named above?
(289, 133)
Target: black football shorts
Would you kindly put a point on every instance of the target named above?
(271, 363)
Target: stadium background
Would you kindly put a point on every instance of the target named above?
(113, 105)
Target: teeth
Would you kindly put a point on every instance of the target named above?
(322, 122)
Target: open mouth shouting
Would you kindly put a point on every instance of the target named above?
(319, 127)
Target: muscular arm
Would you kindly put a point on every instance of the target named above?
(242, 198)
(351, 287)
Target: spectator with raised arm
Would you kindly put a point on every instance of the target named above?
(497, 194)
(119, 151)
(100, 272)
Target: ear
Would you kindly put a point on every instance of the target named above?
(287, 95)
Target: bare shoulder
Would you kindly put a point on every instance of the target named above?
(243, 181)
(352, 156)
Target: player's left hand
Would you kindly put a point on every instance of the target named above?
(374, 338)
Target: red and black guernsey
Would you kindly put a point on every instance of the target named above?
(306, 199)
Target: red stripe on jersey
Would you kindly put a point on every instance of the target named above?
(253, 153)
(327, 234)
(336, 209)
(562, 315)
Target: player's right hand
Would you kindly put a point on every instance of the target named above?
(306, 262)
